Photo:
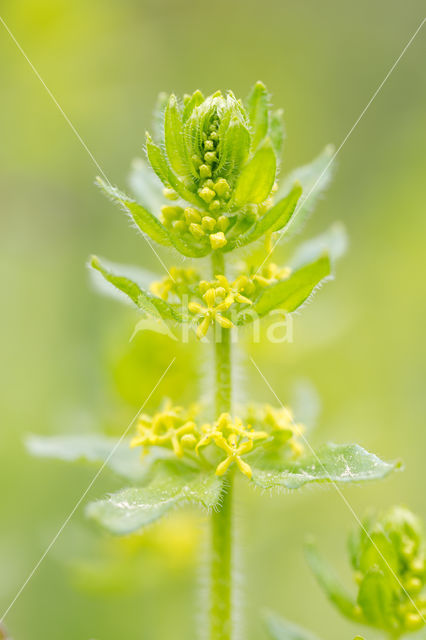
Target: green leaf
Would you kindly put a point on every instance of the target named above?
(274, 219)
(257, 177)
(291, 293)
(277, 131)
(195, 100)
(343, 464)
(145, 301)
(375, 597)
(174, 485)
(280, 629)
(98, 449)
(144, 220)
(233, 148)
(333, 242)
(258, 111)
(314, 178)
(190, 248)
(331, 585)
(173, 137)
(158, 162)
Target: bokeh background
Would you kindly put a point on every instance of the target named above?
(67, 364)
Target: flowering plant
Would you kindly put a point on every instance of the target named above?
(215, 191)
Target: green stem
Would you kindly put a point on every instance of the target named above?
(220, 610)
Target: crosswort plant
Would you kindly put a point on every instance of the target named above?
(212, 195)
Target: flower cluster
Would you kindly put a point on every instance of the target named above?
(233, 438)
(219, 157)
(211, 301)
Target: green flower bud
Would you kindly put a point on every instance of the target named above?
(192, 215)
(196, 230)
(216, 138)
(205, 171)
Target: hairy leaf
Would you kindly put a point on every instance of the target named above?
(258, 111)
(98, 449)
(257, 177)
(331, 584)
(234, 144)
(146, 222)
(291, 293)
(174, 485)
(280, 629)
(173, 137)
(145, 301)
(344, 464)
(275, 218)
(158, 162)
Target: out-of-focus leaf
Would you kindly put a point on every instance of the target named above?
(173, 138)
(258, 111)
(274, 219)
(145, 185)
(375, 597)
(340, 463)
(291, 293)
(97, 448)
(333, 242)
(279, 629)
(331, 585)
(145, 301)
(174, 485)
(277, 131)
(144, 220)
(314, 178)
(257, 176)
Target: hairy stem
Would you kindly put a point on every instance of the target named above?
(220, 611)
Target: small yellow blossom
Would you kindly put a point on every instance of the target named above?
(234, 452)
(173, 427)
(210, 314)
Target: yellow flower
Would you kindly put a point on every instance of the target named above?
(212, 313)
(173, 427)
(234, 452)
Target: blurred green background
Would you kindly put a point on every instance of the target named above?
(67, 364)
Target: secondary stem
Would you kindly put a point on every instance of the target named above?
(221, 520)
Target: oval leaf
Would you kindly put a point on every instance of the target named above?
(258, 110)
(291, 293)
(344, 464)
(257, 177)
(145, 301)
(274, 219)
(174, 485)
(98, 449)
